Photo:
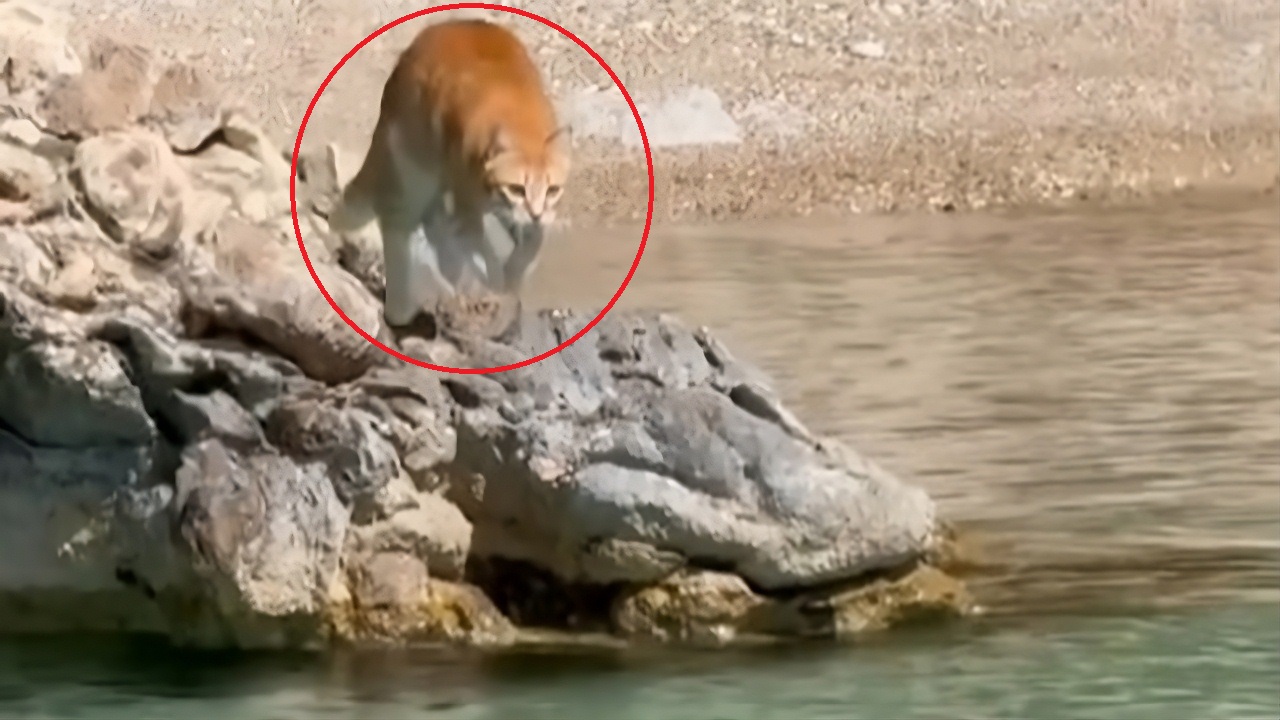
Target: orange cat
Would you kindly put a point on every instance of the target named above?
(466, 134)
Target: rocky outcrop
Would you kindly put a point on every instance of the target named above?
(645, 447)
(193, 444)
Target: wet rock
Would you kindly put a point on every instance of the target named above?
(33, 46)
(711, 608)
(648, 432)
(919, 593)
(61, 541)
(698, 607)
(392, 600)
(532, 597)
(135, 190)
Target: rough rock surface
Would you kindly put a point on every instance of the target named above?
(646, 441)
(193, 444)
(712, 608)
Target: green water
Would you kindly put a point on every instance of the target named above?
(1202, 664)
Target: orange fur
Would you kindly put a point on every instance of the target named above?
(466, 130)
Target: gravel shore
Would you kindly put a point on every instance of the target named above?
(757, 109)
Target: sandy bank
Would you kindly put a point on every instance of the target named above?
(757, 110)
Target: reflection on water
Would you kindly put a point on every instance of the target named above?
(1099, 397)
(1099, 394)
(1215, 665)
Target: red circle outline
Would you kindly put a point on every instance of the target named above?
(293, 197)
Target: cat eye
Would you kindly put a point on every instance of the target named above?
(553, 190)
(515, 189)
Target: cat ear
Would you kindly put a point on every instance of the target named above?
(499, 142)
(562, 135)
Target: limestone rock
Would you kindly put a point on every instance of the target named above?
(59, 394)
(396, 496)
(257, 285)
(33, 45)
(611, 560)
(177, 378)
(351, 444)
(392, 601)
(320, 180)
(29, 184)
(137, 191)
(24, 133)
(240, 170)
(919, 593)
(185, 107)
(264, 534)
(319, 174)
(702, 607)
(388, 579)
(647, 432)
(433, 531)
(22, 259)
(112, 92)
(75, 283)
(417, 409)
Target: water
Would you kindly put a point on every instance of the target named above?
(1216, 664)
(1095, 397)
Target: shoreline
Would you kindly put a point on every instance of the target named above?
(1113, 172)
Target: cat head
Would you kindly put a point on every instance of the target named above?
(526, 176)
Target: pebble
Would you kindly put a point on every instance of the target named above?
(870, 49)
